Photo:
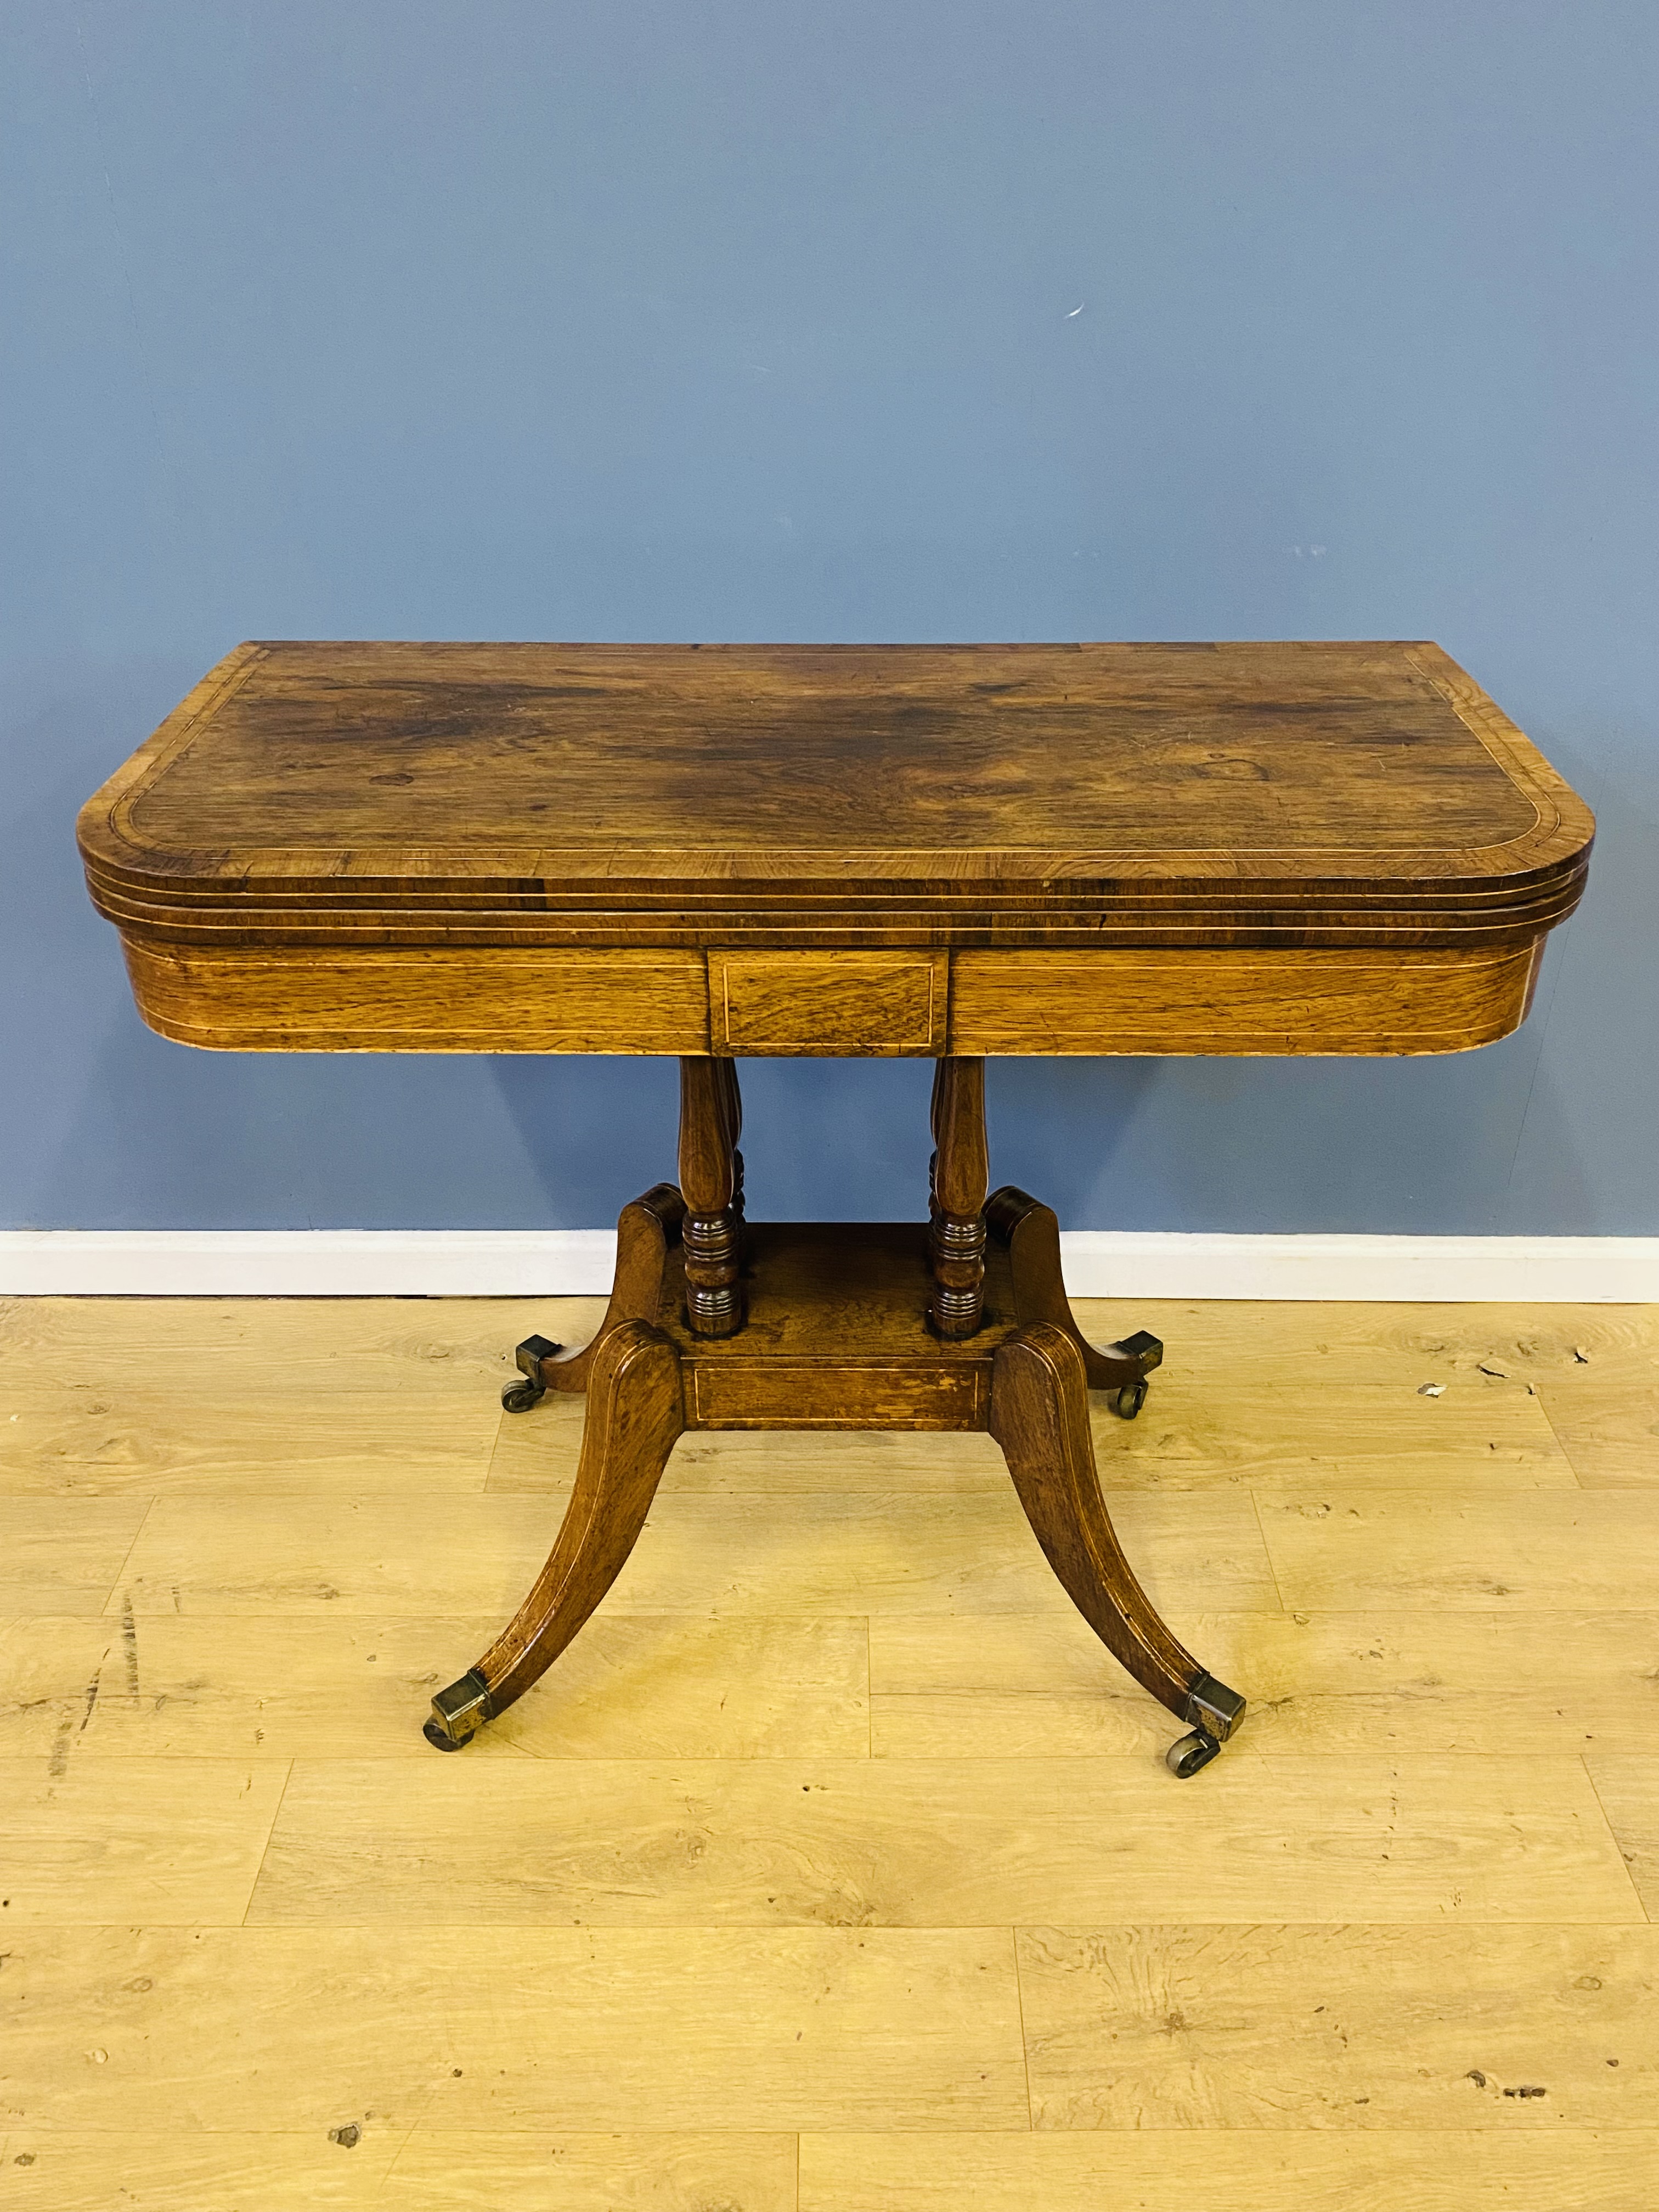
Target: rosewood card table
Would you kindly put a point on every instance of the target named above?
(944, 852)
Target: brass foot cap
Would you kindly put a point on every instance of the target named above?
(1211, 1706)
(457, 1712)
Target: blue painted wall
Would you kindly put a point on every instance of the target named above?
(958, 318)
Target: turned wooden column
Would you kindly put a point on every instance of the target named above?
(711, 1183)
(958, 1175)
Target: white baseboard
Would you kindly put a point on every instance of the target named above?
(1454, 1270)
(306, 1263)
(577, 1262)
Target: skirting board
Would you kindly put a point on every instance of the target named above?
(460, 1263)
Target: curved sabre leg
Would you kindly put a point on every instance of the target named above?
(1040, 1416)
(1031, 1232)
(646, 1229)
(634, 1415)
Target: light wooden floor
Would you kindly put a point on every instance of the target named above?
(835, 1866)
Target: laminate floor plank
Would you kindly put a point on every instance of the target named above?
(173, 1842)
(632, 1686)
(200, 1431)
(62, 1555)
(1594, 1369)
(511, 2030)
(1575, 2171)
(104, 1396)
(1291, 2026)
(935, 1844)
(536, 1452)
(403, 1340)
(1359, 1551)
(821, 1553)
(1353, 1339)
(1190, 1437)
(400, 2170)
(1042, 1685)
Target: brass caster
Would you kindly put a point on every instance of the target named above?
(1185, 1757)
(1146, 1351)
(527, 1357)
(458, 1713)
(1216, 1713)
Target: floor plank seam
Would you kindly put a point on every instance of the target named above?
(126, 1559)
(1267, 1548)
(1636, 1887)
(1024, 2045)
(276, 1814)
(869, 1695)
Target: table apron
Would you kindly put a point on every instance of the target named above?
(917, 1004)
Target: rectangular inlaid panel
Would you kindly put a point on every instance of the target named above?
(855, 1003)
(779, 1394)
(1237, 1001)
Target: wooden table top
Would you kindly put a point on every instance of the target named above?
(958, 799)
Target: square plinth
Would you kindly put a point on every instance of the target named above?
(837, 1335)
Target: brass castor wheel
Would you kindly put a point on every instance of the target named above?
(1185, 1757)
(1145, 1351)
(527, 1357)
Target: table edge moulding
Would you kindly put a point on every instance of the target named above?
(937, 852)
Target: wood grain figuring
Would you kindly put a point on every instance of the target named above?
(513, 2029)
(199, 1420)
(887, 1843)
(737, 1462)
(635, 1685)
(1577, 2170)
(1240, 1002)
(411, 1346)
(1299, 2026)
(412, 848)
(1423, 1876)
(1513, 1380)
(173, 1842)
(1058, 750)
(438, 2170)
(1038, 1686)
(855, 1003)
(63, 1554)
(1629, 1791)
(780, 1394)
(1367, 1551)
(437, 1000)
(818, 1554)
(1079, 1001)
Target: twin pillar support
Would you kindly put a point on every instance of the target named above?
(711, 1183)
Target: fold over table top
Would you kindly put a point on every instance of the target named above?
(794, 799)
